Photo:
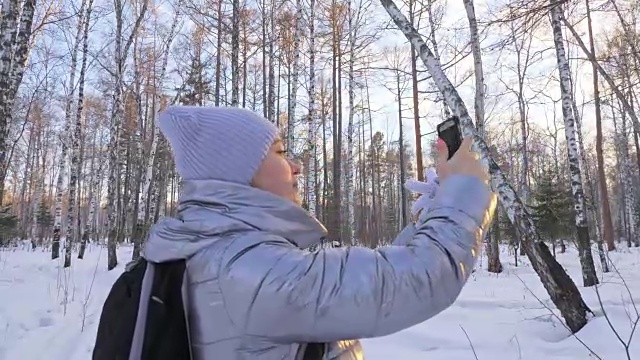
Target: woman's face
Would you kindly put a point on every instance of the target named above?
(278, 174)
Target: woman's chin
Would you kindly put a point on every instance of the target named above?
(296, 198)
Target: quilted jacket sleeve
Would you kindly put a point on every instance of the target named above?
(272, 289)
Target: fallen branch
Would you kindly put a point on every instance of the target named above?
(556, 316)
(470, 343)
(634, 322)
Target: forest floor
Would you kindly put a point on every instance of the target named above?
(50, 313)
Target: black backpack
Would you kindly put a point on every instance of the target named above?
(166, 334)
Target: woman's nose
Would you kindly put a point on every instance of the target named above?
(296, 166)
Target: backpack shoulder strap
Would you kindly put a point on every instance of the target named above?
(145, 294)
(166, 335)
(120, 313)
(185, 300)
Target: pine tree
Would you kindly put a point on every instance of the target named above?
(553, 209)
(8, 225)
(197, 86)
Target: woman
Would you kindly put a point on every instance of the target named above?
(253, 293)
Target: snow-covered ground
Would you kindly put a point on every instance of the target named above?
(50, 313)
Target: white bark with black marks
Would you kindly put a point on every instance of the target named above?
(74, 134)
(79, 109)
(627, 176)
(235, 52)
(353, 16)
(15, 39)
(295, 70)
(148, 174)
(589, 277)
(117, 115)
(312, 177)
(561, 289)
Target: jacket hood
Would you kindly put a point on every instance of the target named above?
(210, 209)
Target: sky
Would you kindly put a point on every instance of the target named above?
(498, 108)
(456, 19)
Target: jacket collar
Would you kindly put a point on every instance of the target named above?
(251, 206)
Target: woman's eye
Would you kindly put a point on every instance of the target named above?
(282, 152)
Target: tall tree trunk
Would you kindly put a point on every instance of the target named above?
(629, 193)
(219, 39)
(493, 250)
(416, 107)
(375, 228)
(589, 276)
(623, 175)
(561, 288)
(15, 36)
(434, 46)
(74, 137)
(141, 218)
(312, 139)
(295, 69)
(38, 196)
(336, 218)
(57, 220)
(607, 223)
(401, 153)
(265, 28)
(349, 167)
(80, 108)
(325, 152)
(272, 68)
(114, 203)
(235, 52)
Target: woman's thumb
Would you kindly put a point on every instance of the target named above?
(442, 152)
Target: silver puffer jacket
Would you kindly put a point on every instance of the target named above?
(253, 293)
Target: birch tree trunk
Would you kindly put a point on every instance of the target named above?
(335, 230)
(622, 175)
(116, 119)
(83, 70)
(219, 36)
(141, 217)
(90, 228)
(272, 68)
(235, 52)
(627, 173)
(415, 94)
(39, 180)
(591, 214)
(561, 288)
(15, 35)
(293, 95)
(603, 192)
(589, 277)
(65, 138)
(474, 41)
(434, 46)
(117, 115)
(312, 177)
(349, 171)
(74, 138)
(404, 213)
(493, 250)
(57, 218)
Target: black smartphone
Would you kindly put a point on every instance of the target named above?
(449, 131)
